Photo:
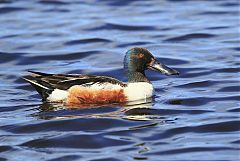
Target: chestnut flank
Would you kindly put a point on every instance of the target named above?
(84, 95)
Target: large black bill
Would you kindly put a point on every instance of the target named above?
(163, 68)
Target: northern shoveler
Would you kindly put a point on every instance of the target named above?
(90, 89)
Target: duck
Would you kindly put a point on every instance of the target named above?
(73, 89)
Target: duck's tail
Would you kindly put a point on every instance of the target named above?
(43, 88)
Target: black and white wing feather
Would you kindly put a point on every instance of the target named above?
(45, 83)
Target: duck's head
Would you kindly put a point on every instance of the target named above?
(137, 60)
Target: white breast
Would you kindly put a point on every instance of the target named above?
(139, 90)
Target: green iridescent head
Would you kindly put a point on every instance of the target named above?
(137, 60)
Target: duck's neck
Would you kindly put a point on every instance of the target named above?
(134, 70)
(134, 77)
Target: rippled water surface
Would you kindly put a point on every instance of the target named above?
(194, 116)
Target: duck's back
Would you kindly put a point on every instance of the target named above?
(78, 89)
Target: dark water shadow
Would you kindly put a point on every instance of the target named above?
(5, 10)
(190, 37)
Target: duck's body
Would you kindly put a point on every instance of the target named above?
(88, 89)
(83, 89)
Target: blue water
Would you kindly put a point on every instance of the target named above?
(194, 116)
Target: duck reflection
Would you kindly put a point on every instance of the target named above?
(138, 110)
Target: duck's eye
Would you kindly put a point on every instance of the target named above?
(140, 55)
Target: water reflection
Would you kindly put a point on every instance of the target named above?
(193, 116)
(138, 110)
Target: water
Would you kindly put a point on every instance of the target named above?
(194, 116)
